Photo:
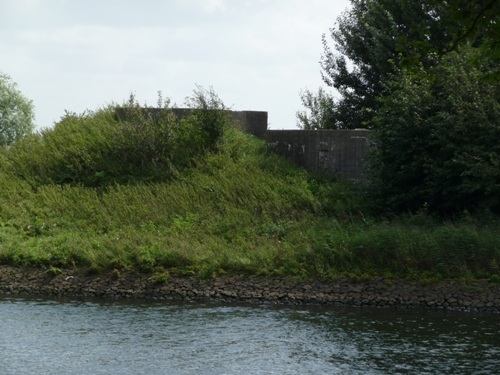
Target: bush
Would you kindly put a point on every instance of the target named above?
(438, 140)
(209, 118)
(79, 149)
(146, 141)
(97, 149)
(16, 112)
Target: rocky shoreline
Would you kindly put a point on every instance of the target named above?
(480, 296)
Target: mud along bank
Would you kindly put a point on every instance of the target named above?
(379, 292)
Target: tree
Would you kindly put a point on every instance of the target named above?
(482, 26)
(367, 51)
(474, 22)
(437, 138)
(321, 110)
(16, 112)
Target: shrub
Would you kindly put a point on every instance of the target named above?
(437, 140)
(98, 149)
(16, 112)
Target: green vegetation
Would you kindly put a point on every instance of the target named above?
(369, 43)
(165, 197)
(437, 139)
(375, 40)
(16, 112)
(423, 75)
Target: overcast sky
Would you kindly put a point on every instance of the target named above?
(75, 55)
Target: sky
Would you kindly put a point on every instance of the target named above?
(74, 55)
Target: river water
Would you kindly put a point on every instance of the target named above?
(43, 336)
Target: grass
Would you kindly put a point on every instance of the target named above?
(236, 210)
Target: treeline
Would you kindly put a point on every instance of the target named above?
(424, 76)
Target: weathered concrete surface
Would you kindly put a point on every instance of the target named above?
(448, 295)
(339, 152)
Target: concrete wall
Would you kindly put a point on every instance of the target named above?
(339, 152)
(253, 122)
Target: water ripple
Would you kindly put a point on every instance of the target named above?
(95, 337)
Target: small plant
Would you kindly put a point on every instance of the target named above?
(54, 271)
(160, 276)
(115, 274)
(425, 281)
(495, 279)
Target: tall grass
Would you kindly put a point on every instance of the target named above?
(231, 208)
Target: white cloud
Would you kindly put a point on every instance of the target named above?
(256, 54)
(212, 5)
(21, 6)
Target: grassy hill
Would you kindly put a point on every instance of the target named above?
(197, 197)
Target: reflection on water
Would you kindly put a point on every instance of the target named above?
(78, 337)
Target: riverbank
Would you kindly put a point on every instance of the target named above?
(480, 296)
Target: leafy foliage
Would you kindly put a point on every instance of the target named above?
(473, 22)
(16, 112)
(146, 140)
(374, 39)
(367, 51)
(229, 206)
(423, 75)
(321, 110)
(208, 117)
(438, 139)
(98, 149)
